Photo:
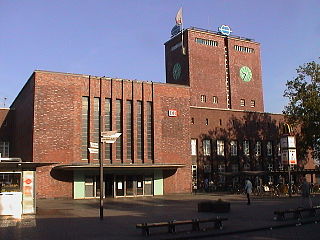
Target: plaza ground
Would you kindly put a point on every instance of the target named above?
(79, 219)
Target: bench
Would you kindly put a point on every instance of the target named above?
(171, 225)
(297, 213)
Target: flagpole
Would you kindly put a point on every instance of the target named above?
(183, 50)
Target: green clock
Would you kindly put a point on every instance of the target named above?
(176, 72)
(245, 74)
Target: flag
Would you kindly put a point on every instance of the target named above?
(179, 17)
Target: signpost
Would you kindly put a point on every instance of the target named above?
(288, 155)
(106, 137)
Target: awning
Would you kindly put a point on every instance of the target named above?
(243, 173)
(72, 167)
(21, 166)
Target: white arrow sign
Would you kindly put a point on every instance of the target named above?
(93, 150)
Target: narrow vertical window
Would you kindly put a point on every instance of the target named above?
(258, 148)
(4, 149)
(203, 98)
(96, 125)
(246, 148)
(149, 130)
(215, 99)
(129, 129)
(220, 147)
(206, 147)
(242, 102)
(139, 130)
(119, 128)
(193, 147)
(233, 148)
(269, 148)
(253, 103)
(84, 128)
(107, 127)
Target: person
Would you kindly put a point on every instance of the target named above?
(305, 192)
(206, 184)
(248, 190)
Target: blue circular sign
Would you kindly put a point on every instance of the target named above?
(225, 30)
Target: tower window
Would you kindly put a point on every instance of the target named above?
(207, 42)
(207, 121)
(242, 102)
(243, 49)
(203, 98)
(215, 99)
(192, 120)
(253, 103)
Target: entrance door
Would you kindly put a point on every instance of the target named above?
(109, 186)
(129, 186)
(148, 186)
(89, 186)
(120, 186)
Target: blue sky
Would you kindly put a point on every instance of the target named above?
(124, 38)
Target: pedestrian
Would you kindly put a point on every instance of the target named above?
(206, 184)
(248, 190)
(305, 192)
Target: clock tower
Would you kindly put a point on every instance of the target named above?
(222, 70)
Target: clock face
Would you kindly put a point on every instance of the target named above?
(176, 72)
(245, 74)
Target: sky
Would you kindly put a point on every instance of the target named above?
(124, 38)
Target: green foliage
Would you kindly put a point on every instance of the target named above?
(303, 109)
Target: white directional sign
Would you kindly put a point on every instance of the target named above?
(94, 145)
(93, 150)
(109, 136)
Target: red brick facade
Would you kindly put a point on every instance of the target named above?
(201, 101)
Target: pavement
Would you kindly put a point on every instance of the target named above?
(79, 219)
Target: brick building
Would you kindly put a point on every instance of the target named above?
(207, 121)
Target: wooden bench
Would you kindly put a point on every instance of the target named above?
(171, 225)
(297, 212)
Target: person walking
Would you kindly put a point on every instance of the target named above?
(305, 192)
(248, 190)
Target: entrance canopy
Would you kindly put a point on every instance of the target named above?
(80, 166)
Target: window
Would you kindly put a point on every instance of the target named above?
(220, 147)
(119, 128)
(246, 148)
(243, 49)
(233, 148)
(253, 103)
(269, 148)
(206, 147)
(234, 168)
(95, 134)
(129, 129)
(203, 98)
(139, 130)
(207, 121)
(84, 128)
(4, 149)
(270, 167)
(279, 150)
(222, 169)
(149, 130)
(193, 147)
(206, 42)
(258, 148)
(242, 102)
(215, 99)
(107, 127)
(10, 182)
(192, 120)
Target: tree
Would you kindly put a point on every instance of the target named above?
(303, 109)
